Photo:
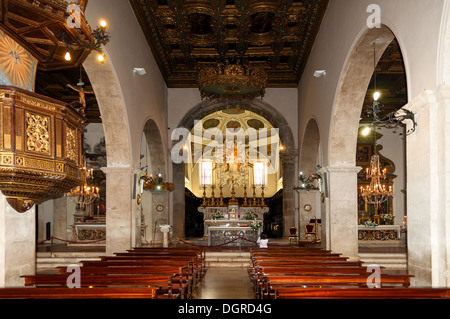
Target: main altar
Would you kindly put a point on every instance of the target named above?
(233, 225)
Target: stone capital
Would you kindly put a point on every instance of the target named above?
(289, 156)
(110, 170)
(345, 168)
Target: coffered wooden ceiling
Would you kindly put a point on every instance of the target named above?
(180, 56)
(186, 35)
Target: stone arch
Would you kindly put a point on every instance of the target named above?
(351, 90)
(341, 175)
(156, 152)
(309, 159)
(119, 154)
(152, 148)
(309, 149)
(112, 109)
(288, 157)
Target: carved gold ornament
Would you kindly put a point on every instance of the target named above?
(232, 80)
(38, 136)
(71, 144)
(39, 153)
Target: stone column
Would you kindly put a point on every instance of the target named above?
(119, 223)
(17, 244)
(288, 159)
(60, 218)
(178, 201)
(342, 214)
(428, 171)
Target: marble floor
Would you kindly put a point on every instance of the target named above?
(225, 283)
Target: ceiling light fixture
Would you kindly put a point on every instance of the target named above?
(393, 119)
(320, 73)
(98, 39)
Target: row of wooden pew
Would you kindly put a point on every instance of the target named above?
(306, 273)
(140, 273)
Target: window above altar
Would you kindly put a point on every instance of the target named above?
(259, 173)
(207, 173)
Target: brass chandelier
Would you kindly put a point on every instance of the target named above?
(86, 194)
(225, 80)
(376, 193)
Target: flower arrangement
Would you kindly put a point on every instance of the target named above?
(217, 215)
(250, 216)
(255, 225)
(387, 218)
(370, 224)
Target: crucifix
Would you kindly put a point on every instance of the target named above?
(80, 105)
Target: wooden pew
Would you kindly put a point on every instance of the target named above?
(294, 268)
(195, 271)
(163, 285)
(177, 274)
(362, 293)
(78, 293)
(269, 284)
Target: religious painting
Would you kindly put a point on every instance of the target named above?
(363, 153)
(17, 66)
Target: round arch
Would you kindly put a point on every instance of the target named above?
(149, 211)
(288, 156)
(351, 91)
(112, 109)
(310, 158)
(341, 224)
(310, 147)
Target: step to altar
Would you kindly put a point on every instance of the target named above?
(391, 261)
(48, 262)
(235, 259)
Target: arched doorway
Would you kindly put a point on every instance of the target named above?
(153, 210)
(311, 199)
(288, 157)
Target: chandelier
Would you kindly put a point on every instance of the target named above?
(226, 80)
(376, 193)
(156, 183)
(84, 195)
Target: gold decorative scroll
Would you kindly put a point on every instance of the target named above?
(34, 127)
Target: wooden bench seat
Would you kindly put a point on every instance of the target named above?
(78, 293)
(299, 258)
(269, 284)
(361, 293)
(171, 286)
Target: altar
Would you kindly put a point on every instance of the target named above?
(379, 233)
(232, 216)
(232, 236)
(89, 231)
